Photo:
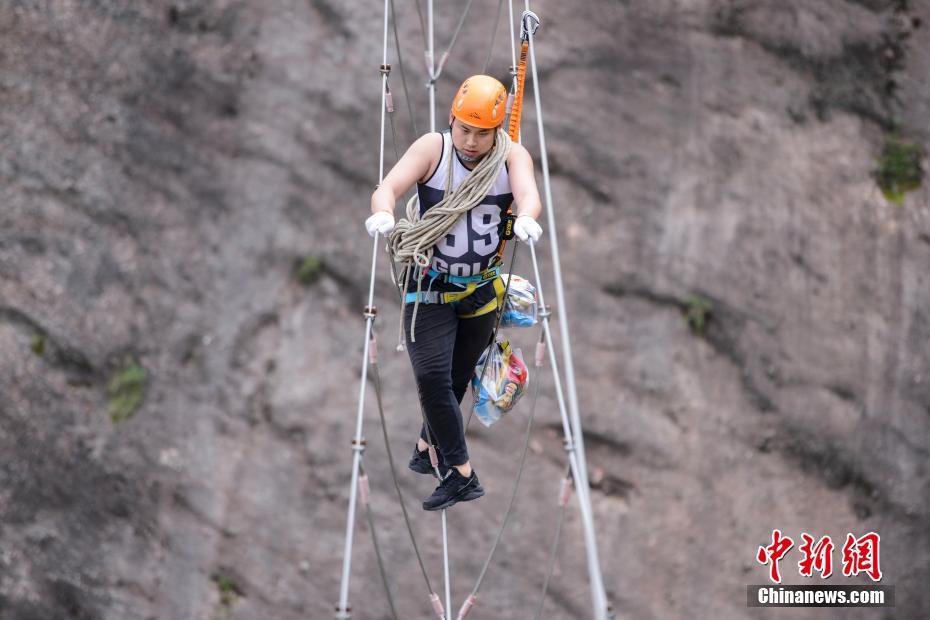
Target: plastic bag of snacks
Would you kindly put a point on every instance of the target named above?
(520, 302)
(503, 383)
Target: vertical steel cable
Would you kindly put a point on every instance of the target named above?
(513, 38)
(431, 64)
(553, 552)
(581, 475)
(374, 540)
(513, 495)
(497, 21)
(422, 24)
(342, 610)
(445, 55)
(403, 74)
(376, 375)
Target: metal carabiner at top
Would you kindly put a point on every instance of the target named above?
(529, 24)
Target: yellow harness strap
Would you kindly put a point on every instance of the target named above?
(491, 306)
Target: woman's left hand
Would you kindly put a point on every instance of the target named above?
(526, 228)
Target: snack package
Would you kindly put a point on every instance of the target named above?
(520, 303)
(504, 382)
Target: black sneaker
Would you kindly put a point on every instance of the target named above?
(419, 463)
(454, 488)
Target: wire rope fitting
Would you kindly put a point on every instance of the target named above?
(442, 63)
(364, 489)
(373, 350)
(545, 312)
(370, 312)
(437, 606)
(569, 446)
(540, 354)
(429, 64)
(343, 613)
(359, 445)
(565, 492)
(466, 607)
(388, 99)
(529, 24)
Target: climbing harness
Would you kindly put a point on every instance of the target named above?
(470, 284)
(413, 248)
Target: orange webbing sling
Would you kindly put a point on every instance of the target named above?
(513, 127)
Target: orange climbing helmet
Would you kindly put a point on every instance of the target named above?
(480, 102)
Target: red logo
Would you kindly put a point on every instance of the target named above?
(773, 553)
(817, 557)
(860, 555)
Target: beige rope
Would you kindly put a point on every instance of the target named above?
(414, 237)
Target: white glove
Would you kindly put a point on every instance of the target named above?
(381, 222)
(526, 228)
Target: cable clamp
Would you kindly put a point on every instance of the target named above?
(466, 607)
(437, 606)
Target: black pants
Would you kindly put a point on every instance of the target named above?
(444, 355)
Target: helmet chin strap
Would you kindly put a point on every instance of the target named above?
(465, 157)
(462, 155)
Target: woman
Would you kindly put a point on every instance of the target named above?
(449, 313)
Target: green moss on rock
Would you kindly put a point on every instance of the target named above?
(125, 390)
(228, 588)
(899, 170)
(309, 270)
(697, 311)
(37, 344)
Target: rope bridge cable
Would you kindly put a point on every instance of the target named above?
(553, 552)
(342, 609)
(403, 74)
(599, 598)
(364, 493)
(470, 601)
(422, 23)
(497, 21)
(376, 375)
(436, 72)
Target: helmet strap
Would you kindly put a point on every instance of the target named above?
(465, 157)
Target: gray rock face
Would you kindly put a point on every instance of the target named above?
(166, 167)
